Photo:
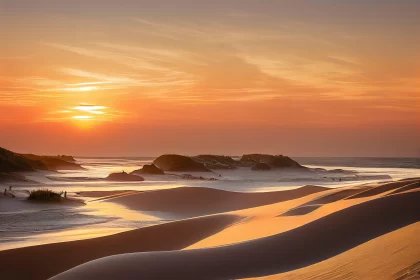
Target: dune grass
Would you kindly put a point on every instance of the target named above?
(44, 195)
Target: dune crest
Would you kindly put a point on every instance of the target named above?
(196, 201)
(394, 255)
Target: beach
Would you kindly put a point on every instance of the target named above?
(359, 231)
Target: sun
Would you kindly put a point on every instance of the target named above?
(86, 115)
(91, 109)
(82, 117)
(83, 122)
(87, 88)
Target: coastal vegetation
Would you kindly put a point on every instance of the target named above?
(45, 195)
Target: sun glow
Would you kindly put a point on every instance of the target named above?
(86, 88)
(92, 109)
(82, 117)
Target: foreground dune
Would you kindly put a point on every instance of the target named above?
(194, 201)
(284, 216)
(395, 255)
(310, 232)
(308, 244)
(44, 261)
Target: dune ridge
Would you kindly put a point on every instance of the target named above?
(303, 246)
(288, 215)
(169, 236)
(394, 255)
(197, 201)
(383, 188)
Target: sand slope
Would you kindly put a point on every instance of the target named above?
(195, 201)
(44, 261)
(314, 242)
(395, 255)
(284, 216)
(306, 233)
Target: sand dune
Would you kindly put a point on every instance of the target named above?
(279, 217)
(383, 188)
(44, 261)
(405, 188)
(338, 195)
(311, 243)
(195, 201)
(301, 210)
(326, 199)
(395, 255)
(311, 232)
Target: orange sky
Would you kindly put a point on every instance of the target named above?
(304, 78)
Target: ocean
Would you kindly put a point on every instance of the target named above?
(325, 171)
(24, 224)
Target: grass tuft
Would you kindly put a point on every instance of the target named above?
(44, 195)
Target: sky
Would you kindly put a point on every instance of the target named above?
(132, 78)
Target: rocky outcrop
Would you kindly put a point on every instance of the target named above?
(217, 161)
(54, 163)
(180, 163)
(66, 158)
(274, 161)
(149, 169)
(14, 162)
(123, 177)
(261, 166)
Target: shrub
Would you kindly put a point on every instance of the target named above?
(44, 195)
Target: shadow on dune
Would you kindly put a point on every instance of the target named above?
(334, 197)
(311, 243)
(319, 202)
(382, 188)
(408, 187)
(301, 210)
(44, 261)
(190, 202)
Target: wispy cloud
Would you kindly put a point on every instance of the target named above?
(118, 58)
(122, 81)
(84, 111)
(169, 55)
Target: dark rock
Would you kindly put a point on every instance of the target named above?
(149, 169)
(217, 161)
(274, 161)
(123, 177)
(54, 163)
(66, 158)
(13, 162)
(261, 166)
(179, 163)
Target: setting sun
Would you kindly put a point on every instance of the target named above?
(91, 109)
(82, 117)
